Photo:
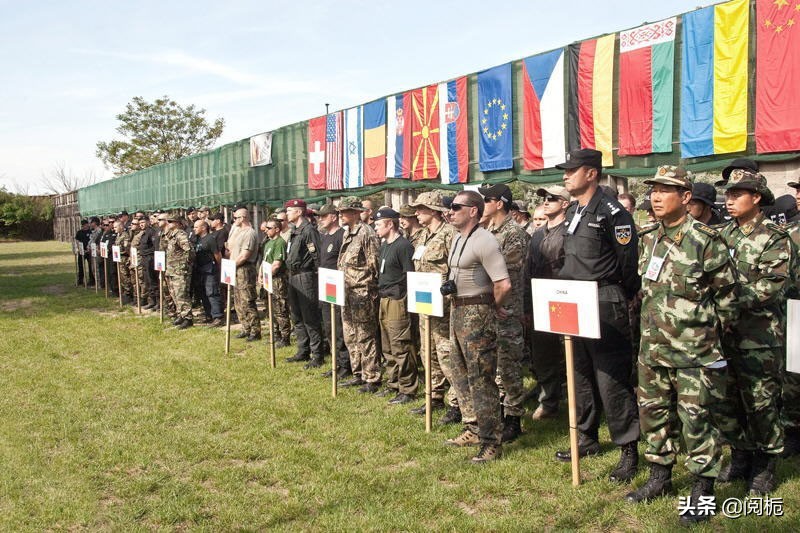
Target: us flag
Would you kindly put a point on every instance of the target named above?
(333, 152)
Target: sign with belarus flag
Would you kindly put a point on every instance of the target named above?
(331, 286)
(424, 297)
(566, 307)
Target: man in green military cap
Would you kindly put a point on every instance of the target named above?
(688, 287)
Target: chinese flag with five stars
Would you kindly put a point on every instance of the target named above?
(777, 114)
(425, 154)
(564, 317)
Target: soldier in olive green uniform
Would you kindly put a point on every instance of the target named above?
(179, 269)
(754, 346)
(124, 242)
(689, 293)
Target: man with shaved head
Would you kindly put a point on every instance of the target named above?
(243, 248)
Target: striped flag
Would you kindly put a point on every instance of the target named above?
(353, 148)
(453, 144)
(375, 142)
(333, 151)
(398, 135)
(543, 143)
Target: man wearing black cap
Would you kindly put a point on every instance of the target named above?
(395, 261)
(601, 245)
(302, 258)
(702, 206)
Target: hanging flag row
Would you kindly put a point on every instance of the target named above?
(567, 103)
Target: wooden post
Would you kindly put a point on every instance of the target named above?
(573, 414)
(334, 353)
(228, 322)
(77, 268)
(271, 333)
(105, 273)
(138, 289)
(119, 285)
(427, 355)
(95, 276)
(161, 294)
(85, 274)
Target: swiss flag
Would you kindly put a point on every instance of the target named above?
(316, 153)
(564, 317)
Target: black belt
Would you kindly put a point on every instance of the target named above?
(486, 299)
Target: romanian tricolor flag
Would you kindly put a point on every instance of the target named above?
(375, 142)
(646, 74)
(453, 143)
(714, 80)
(425, 131)
(591, 80)
(777, 75)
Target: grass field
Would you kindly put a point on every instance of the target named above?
(111, 421)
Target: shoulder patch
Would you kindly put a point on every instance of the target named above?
(623, 234)
(614, 209)
(647, 229)
(311, 247)
(702, 228)
(775, 227)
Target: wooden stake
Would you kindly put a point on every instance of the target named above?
(272, 362)
(161, 294)
(105, 273)
(427, 354)
(573, 413)
(119, 285)
(228, 322)
(94, 272)
(334, 352)
(138, 291)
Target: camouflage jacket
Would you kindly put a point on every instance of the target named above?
(762, 253)
(692, 300)
(417, 238)
(179, 252)
(793, 230)
(124, 242)
(437, 247)
(513, 243)
(358, 259)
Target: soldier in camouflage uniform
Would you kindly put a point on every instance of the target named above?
(754, 346)
(274, 253)
(163, 239)
(431, 250)
(124, 242)
(510, 336)
(689, 294)
(136, 270)
(358, 260)
(479, 277)
(179, 269)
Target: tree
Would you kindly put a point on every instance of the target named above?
(61, 180)
(157, 132)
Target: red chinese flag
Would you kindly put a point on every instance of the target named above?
(564, 317)
(777, 76)
(316, 153)
(425, 148)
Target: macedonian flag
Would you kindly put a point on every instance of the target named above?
(425, 133)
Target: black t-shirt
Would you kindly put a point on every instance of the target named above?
(330, 246)
(83, 236)
(205, 249)
(395, 261)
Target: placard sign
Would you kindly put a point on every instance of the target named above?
(115, 256)
(93, 248)
(266, 276)
(134, 257)
(331, 286)
(104, 250)
(228, 272)
(424, 297)
(793, 336)
(159, 261)
(566, 307)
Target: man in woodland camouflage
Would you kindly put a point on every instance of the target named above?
(179, 269)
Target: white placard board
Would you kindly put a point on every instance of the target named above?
(228, 272)
(793, 336)
(115, 253)
(104, 250)
(159, 261)
(331, 286)
(424, 296)
(566, 307)
(81, 251)
(134, 257)
(93, 248)
(266, 276)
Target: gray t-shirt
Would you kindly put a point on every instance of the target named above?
(480, 264)
(243, 239)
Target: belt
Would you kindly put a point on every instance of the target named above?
(486, 299)
(297, 272)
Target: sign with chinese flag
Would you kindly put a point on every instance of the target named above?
(331, 286)
(566, 307)
(424, 296)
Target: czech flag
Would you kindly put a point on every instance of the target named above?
(543, 110)
(375, 142)
(453, 144)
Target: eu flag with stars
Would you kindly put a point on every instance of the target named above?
(494, 118)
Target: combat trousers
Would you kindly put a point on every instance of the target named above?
(681, 402)
(510, 351)
(440, 352)
(401, 363)
(209, 292)
(281, 315)
(305, 313)
(125, 278)
(244, 297)
(179, 291)
(342, 355)
(473, 360)
(152, 280)
(548, 365)
(90, 268)
(603, 373)
(359, 337)
(750, 418)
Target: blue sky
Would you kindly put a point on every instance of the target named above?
(70, 67)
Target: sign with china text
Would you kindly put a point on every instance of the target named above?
(566, 307)
(228, 272)
(424, 296)
(331, 286)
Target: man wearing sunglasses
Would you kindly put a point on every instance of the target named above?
(478, 286)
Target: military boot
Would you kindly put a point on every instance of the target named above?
(466, 438)
(628, 464)
(511, 429)
(702, 505)
(658, 484)
(452, 416)
(791, 442)
(739, 467)
(186, 323)
(762, 478)
(315, 362)
(487, 453)
(298, 358)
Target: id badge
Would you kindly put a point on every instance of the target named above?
(383, 265)
(654, 268)
(573, 225)
(418, 253)
(288, 247)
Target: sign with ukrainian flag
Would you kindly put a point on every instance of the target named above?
(331, 286)
(424, 297)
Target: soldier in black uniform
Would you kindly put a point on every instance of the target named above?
(82, 236)
(302, 259)
(601, 245)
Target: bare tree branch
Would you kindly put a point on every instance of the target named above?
(61, 179)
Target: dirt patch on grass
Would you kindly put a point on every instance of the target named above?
(16, 305)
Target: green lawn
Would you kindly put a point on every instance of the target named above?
(112, 421)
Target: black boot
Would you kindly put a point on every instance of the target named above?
(297, 358)
(762, 480)
(186, 323)
(658, 484)
(791, 442)
(628, 464)
(452, 416)
(739, 467)
(315, 362)
(700, 512)
(511, 429)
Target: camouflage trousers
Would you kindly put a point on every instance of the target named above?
(790, 400)
(125, 278)
(401, 363)
(681, 402)
(473, 360)
(440, 352)
(510, 354)
(281, 315)
(244, 298)
(178, 284)
(749, 419)
(359, 337)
